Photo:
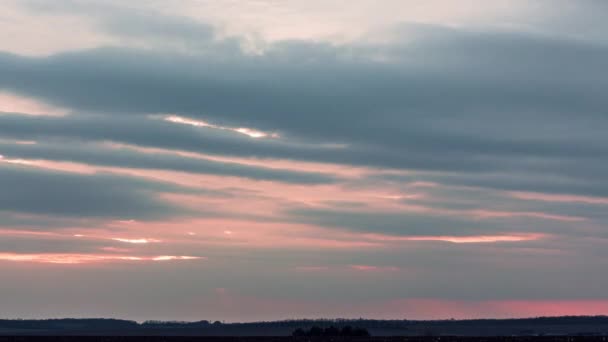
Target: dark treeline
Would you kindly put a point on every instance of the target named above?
(104, 323)
(68, 323)
(574, 325)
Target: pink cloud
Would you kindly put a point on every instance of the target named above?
(508, 214)
(558, 198)
(250, 132)
(369, 268)
(136, 241)
(12, 103)
(74, 258)
(254, 234)
(312, 268)
(284, 164)
(513, 237)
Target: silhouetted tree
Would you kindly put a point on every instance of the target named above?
(331, 331)
(347, 331)
(315, 331)
(361, 332)
(298, 332)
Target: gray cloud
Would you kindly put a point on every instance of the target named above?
(35, 245)
(41, 192)
(427, 99)
(426, 224)
(134, 24)
(490, 110)
(550, 180)
(120, 157)
(33, 221)
(470, 198)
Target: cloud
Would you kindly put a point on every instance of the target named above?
(42, 192)
(87, 258)
(427, 224)
(485, 199)
(389, 106)
(140, 26)
(420, 140)
(104, 155)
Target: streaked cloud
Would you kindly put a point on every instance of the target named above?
(86, 258)
(243, 130)
(136, 241)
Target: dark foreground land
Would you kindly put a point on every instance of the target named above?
(301, 339)
(542, 329)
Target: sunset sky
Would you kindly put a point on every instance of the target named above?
(247, 160)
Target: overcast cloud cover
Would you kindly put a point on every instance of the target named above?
(250, 160)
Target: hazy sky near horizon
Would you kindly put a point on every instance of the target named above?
(269, 159)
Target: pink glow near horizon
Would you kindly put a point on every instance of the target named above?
(437, 308)
(233, 303)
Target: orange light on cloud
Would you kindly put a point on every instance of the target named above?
(136, 241)
(540, 215)
(558, 198)
(300, 165)
(251, 234)
(53, 165)
(478, 239)
(461, 239)
(369, 268)
(173, 257)
(18, 142)
(12, 103)
(18, 232)
(66, 258)
(250, 132)
(311, 268)
(16, 161)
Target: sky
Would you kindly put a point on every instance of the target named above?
(275, 159)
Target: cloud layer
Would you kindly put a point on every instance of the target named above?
(460, 147)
